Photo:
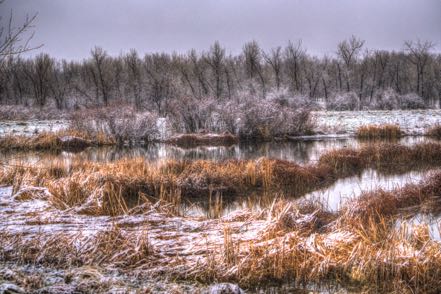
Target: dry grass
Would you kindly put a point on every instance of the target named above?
(370, 132)
(61, 140)
(301, 243)
(114, 188)
(358, 246)
(410, 198)
(344, 161)
(193, 140)
(66, 250)
(434, 132)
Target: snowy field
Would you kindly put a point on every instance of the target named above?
(31, 127)
(343, 123)
(412, 122)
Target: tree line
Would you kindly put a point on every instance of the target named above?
(157, 81)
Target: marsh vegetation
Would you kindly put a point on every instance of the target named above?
(270, 170)
(232, 217)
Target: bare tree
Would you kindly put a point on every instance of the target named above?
(229, 77)
(133, 64)
(348, 51)
(199, 67)
(362, 73)
(215, 59)
(186, 72)
(160, 80)
(39, 73)
(325, 76)
(99, 58)
(16, 71)
(275, 60)
(253, 66)
(16, 40)
(438, 78)
(117, 70)
(419, 53)
(312, 75)
(294, 54)
(60, 83)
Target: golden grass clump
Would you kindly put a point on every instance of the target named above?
(427, 152)
(43, 141)
(48, 141)
(297, 179)
(434, 132)
(200, 178)
(411, 198)
(193, 140)
(387, 131)
(344, 161)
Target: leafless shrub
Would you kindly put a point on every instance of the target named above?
(20, 112)
(386, 100)
(122, 124)
(412, 101)
(343, 101)
(264, 119)
(191, 115)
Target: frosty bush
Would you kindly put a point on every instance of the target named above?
(343, 101)
(229, 116)
(245, 114)
(122, 124)
(386, 100)
(412, 101)
(191, 115)
(390, 100)
(283, 97)
(263, 119)
(20, 112)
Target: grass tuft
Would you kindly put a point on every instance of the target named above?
(62, 140)
(193, 140)
(434, 132)
(370, 132)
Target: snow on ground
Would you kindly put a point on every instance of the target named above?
(330, 123)
(31, 127)
(412, 122)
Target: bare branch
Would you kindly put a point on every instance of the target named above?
(11, 38)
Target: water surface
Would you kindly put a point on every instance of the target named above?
(301, 151)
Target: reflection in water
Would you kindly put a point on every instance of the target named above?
(297, 151)
(345, 189)
(332, 197)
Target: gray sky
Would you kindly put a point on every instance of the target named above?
(69, 29)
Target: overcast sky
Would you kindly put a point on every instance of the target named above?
(70, 28)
